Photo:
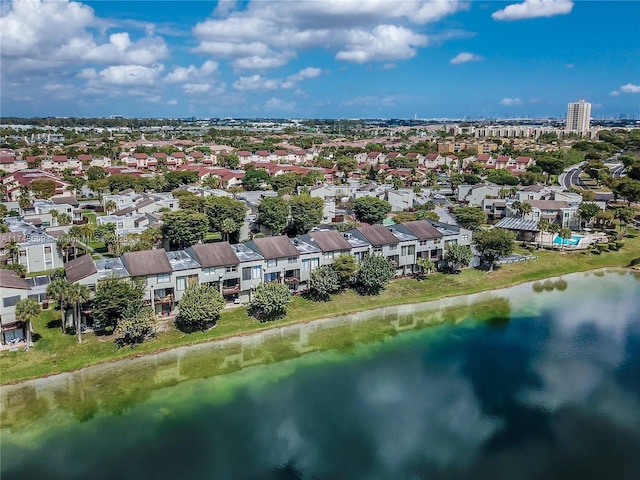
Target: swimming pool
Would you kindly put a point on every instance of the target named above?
(574, 240)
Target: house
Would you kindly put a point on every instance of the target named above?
(153, 268)
(13, 288)
(281, 259)
(473, 195)
(37, 250)
(429, 241)
(221, 268)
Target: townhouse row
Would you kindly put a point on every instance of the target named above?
(237, 269)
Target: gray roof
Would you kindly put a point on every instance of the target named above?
(79, 268)
(214, 254)
(180, 260)
(378, 235)
(70, 200)
(245, 254)
(146, 262)
(111, 267)
(330, 240)
(422, 230)
(518, 224)
(10, 279)
(274, 247)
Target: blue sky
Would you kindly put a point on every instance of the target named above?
(318, 59)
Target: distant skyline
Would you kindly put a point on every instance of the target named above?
(318, 59)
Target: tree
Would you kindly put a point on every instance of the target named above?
(227, 227)
(231, 161)
(26, 310)
(12, 250)
(627, 188)
(371, 209)
(470, 217)
(219, 208)
(565, 234)
(95, 173)
(59, 290)
(550, 166)
(273, 213)
(543, 225)
(43, 188)
(254, 179)
(374, 273)
(346, 165)
(110, 206)
(588, 211)
(306, 213)
(346, 268)
(625, 216)
(493, 244)
(63, 219)
(200, 306)
(270, 301)
(458, 256)
(77, 294)
(112, 297)
(426, 265)
(137, 324)
(323, 282)
(184, 229)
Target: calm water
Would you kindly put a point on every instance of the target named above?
(537, 381)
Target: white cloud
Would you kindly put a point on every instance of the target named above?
(309, 72)
(614, 93)
(196, 88)
(570, 65)
(256, 83)
(383, 43)
(126, 75)
(173, 101)
(630, 88)
(40, 35)
(465, 57)
(268, 34)
(533, 9)
(511, 102)
(184, 74)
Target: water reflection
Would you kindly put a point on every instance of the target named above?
(553, 393)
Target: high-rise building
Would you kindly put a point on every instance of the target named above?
(579, 117)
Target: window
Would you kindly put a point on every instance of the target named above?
(423, 242)
(47, 250)
(393, 247)
(209, 271)
(164, 278)
(403, 251)
(120, 225)
(10, 301)
(231, 268)
(377, 249)
(181, 283)
(271, 277)
(327, 255)
(256, 272)
(309, 264)
(465, 238)
(246, 273)
(272, 263)
(292, 259)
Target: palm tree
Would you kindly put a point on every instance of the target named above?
(553, 229)
(110, 206)
(58, 290)
(12, 250)
(525, 209)
(26, 310)
(228, 226)
(624, 215)
(544, 226)
(64, 219)
(565, 234)
(77, 295)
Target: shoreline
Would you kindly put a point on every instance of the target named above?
(275, 326)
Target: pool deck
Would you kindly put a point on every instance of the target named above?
(589, 238)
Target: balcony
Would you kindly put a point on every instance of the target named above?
(291, 280)
(166, 299)
(230, 289)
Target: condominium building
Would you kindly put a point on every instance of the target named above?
(579, 117)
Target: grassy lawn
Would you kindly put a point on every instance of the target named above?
(19, 365)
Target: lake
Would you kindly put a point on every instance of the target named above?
(536, 381)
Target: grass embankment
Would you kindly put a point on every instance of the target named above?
(19, 365)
